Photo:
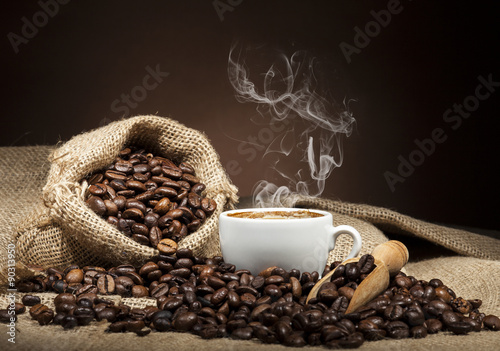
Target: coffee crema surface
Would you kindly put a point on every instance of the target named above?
(276, 214)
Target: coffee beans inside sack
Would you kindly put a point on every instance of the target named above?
(149, 198)
(210, 298)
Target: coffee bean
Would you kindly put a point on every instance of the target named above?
(96, 178)
(160, 290)
(418, 332)
(403, 282)
(459, 327)
(274, 279)
(97, 189)
(30, 300)
(151, 219)
(111, 208)
(86, 288)
(185, 321)
(107, 313)
(129, 193)
(366, 264)
(141, 239)
(135, 185)
(167, 246)
(194, 225)
(117, 185)
(19, 308)
(139, 228)
(37, 309)
(346, 291)
(45, 316)
(491, 322)
(443, 294)
(106, 284)
(148, 268)
(397, 330)
(414, 315)
(436, 307)
(433, 325)
(294, 340)
(97, 205)
(180, 272)
(186, 168)
(173, 173)
(163, 206)
(58, 318)
(461, 305)
(138, 291)
(69, 322)
(394, 312)
(165, 191)
(258, 282)
(115, 175)
(352, 271)
(353, 340)
(200, 215)
(134, 214)
(245, 333)
(198, 188)
(74, 276)
(208, 205)
(273, 291)
(123, 166)
(429, 293)
(476, 303)
(118, 327)
(7, 316)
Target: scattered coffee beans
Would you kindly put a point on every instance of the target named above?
(149, 198)
(210, 298)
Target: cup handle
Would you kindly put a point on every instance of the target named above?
(347, 229)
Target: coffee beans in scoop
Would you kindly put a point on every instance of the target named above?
(149, 198)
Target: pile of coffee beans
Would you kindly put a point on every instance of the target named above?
(149, 197)
(210, 298)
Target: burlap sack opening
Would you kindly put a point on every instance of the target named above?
(64, 230)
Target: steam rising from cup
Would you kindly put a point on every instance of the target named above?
(292, 89)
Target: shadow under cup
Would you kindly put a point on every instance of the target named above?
(256, 239)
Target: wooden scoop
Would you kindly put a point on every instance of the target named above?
(390, 257)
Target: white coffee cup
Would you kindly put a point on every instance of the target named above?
(301, 243)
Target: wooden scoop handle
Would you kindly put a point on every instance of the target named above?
(393, 253)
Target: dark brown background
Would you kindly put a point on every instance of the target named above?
(64, 80)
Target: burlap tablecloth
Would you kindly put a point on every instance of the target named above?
(471, 268)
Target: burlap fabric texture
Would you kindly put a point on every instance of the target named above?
(63, 230)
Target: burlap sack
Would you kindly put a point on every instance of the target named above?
(64, 230)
